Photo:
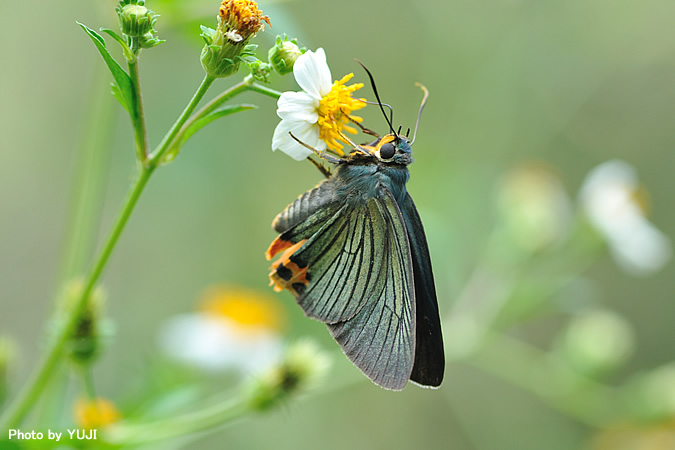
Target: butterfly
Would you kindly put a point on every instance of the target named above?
(353, 252)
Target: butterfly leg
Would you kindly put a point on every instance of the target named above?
(364, 129)
(321, 154)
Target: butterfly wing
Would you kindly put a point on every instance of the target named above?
(351, 268)
(380, 338)
(429, 355)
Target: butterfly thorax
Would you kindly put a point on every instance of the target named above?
(364, 177)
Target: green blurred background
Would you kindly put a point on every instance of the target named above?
(568, 83)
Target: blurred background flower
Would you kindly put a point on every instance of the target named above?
(233, 329)
(92, 414)
(616, 206)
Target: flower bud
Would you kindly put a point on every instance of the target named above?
(260, 71)
(227, 46)
(135, 19)
(86, 340)
(302, 365)
(596, 342)
(534, 207)
(284, 54)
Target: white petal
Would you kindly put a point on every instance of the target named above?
(298, 106)
(312, 73)
(199, 341)
(642, 249)
(217, 344)
(304, 131)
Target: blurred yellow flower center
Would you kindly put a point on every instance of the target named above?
(243, 17)
(334, 111)
(246, 308)
(96, 413)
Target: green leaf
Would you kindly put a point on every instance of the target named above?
(122, 79)
(128, 54)
(118, 95)
(201, 123)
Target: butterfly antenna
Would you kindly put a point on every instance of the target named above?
(391, 110)
(419, 113)
(377, 96)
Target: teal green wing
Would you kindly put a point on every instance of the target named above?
(380, 338)
(313, 201)
(342, 261)
(349, 265)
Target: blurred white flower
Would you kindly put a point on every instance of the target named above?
(535, 206)
(609, 196)
(318, 115)
(234, 329)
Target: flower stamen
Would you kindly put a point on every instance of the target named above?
(335, 110)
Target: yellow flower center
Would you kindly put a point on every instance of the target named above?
(246, 308)
(242, 16)
(96, 413)
(335, 110)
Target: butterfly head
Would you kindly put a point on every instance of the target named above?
(392, 149)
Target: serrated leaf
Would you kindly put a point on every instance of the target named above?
(128, 54)
(121, 77)
(201, 123)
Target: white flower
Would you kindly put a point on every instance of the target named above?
(608, 196)
(317, 115)
(235, 329)
(216, 344)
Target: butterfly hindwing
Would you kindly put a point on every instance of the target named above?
(380, 338)
(429, 355)
(342, 259)
(306, 205)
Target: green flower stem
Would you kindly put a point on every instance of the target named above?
(88, 382)
(156, 157)
(247, 84)
(261, 89)
(16, 412)
(203, 419)
(33, 388)
(138, 116)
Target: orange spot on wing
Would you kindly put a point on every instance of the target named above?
(276, 246)
(295, 274)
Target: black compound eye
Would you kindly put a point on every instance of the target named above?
(387, 151)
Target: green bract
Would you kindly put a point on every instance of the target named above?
(284, 54)
(135, 19)
(221, 56)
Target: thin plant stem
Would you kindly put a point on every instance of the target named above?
(156, 157)
(33, 388)
(88, 382)
(247, 84)
(138, 116)
(193, 422)
(36, 384)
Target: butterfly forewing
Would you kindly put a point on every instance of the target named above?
(380, 339)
